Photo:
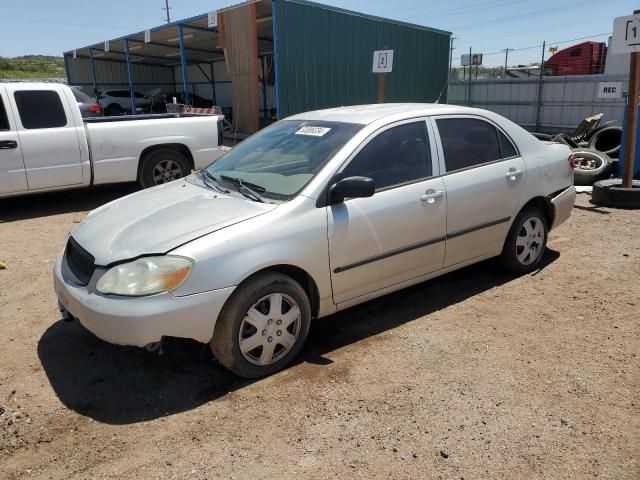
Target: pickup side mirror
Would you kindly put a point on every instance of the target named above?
(351, 187)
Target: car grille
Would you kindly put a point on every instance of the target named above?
(80, 262)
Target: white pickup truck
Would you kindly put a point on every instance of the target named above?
(45, 144)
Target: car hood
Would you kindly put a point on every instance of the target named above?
(159, 219)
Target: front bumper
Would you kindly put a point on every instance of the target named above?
(139, 321)
(563, 205)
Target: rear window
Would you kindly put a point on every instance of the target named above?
(81, 97)
(40, 109)
(506, 147)
(4, 121)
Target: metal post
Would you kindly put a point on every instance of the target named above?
(451, 53)
(631, 124)
(167, 8)
(470, 67)
(264, 87)
(540, 80)
(132, 87)
(93, 71)
(183, 65)
(276, 90)
(213, 84)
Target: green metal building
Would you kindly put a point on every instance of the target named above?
(310, 56)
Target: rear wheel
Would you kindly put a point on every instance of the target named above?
(263, 326)
(526, 242)
(162, 166)
(113, 110)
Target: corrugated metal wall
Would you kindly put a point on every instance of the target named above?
(112, 74)
(325, 56)
(565, 100)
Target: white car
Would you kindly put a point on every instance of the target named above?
(312, 215)
(117, 102)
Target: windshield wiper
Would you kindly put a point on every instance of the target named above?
(207, 177)
(246, 187)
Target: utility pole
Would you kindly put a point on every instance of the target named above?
(167, 8)
(631, 126)
(470, 67)
(540, 80)
(451, 53)
(506, 58)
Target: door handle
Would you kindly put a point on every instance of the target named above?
(513, 174)
(432, 195)
(8, 144)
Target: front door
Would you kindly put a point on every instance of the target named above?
(484, 174)
(48, 136)
(397, 234)
(12, 175)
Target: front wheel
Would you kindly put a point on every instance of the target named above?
(263, 326)
(526, 242)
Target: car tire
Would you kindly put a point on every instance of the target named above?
(162, 166)
(264, 329)
(590, 166)
(607, 140)
(526, 242)
(113, 110)
(610, 193)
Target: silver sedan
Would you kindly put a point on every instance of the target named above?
(312, 215)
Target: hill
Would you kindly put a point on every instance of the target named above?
(32, 66)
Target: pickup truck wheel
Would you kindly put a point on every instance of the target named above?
(162, 166)
(263, 326)
(526, 241)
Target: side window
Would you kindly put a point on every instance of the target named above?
(506, 147)
(4, 121)
(40, 109)
(467, 142)
(396, 156)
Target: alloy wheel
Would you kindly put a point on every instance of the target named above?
(166, 171)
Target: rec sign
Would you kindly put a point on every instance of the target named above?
(609, 89)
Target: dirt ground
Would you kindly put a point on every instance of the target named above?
(473, 375)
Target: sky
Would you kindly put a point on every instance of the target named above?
(488, 26)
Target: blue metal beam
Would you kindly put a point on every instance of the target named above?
(93, 71)
(132, 88)
(275, 59)
(183, 65)
(167, 45)
(198, 27)
(213, 84)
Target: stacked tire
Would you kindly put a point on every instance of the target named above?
(591, 165)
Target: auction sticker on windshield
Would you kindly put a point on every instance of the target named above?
(313, 131)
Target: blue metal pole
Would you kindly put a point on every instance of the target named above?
(132, 87)
(275, 59)
(213, 84)
(183, 65)
(93, 71)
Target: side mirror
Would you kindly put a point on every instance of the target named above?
(351, 187)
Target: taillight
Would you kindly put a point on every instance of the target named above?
(95, 108)
(572, 160)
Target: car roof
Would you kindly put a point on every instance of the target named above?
(366, 114)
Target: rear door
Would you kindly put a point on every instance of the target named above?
(12, 173)
(48, 136)
(484, 175)
(398, 233)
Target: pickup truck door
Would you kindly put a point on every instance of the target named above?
(484, 178)
(397, 234)
(48, 135)
(12, 175)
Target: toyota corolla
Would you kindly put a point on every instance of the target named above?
(314, 214)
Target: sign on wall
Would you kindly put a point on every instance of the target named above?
(147, 36)
(382, 61)
(212, 19)
(106, 45)
(467, 60)
(609, 90)
(626, 34)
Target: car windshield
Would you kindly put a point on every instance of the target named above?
(281, 159)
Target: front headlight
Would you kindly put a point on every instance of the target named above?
(145, 276)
